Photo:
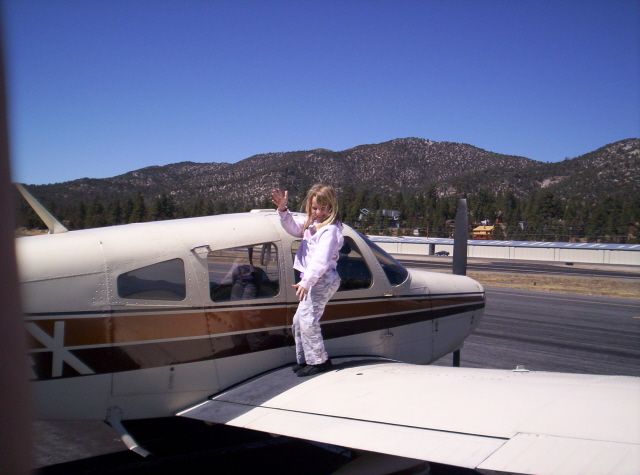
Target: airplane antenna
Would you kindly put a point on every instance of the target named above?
(460, 237)
(52, 223)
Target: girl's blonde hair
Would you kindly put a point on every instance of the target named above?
(325, 195)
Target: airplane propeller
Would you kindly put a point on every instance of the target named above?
(460, 237)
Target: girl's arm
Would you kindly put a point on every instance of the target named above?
(290, 224)
(280, 198)
(324, 256)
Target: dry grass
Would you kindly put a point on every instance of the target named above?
(611, 287)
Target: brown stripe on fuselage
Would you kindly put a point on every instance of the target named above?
(137, 347)
(352, 327)
(130, 357)
(336, 310)
(115, 329)
(247, 319)
(121, 329)
(340, 311)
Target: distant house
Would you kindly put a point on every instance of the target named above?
(483, 232)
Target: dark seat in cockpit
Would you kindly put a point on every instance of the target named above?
(353, 270)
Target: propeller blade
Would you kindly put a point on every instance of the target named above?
(460, 237)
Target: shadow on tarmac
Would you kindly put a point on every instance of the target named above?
(188, 447)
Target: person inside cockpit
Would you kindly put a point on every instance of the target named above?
(244, 282)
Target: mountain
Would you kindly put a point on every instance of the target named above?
(611, 170)
(409, 165)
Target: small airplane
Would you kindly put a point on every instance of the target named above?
(191, 317)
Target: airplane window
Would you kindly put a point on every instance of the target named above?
(352, 267)
(396, 273)
(245, 272)
(161, 281)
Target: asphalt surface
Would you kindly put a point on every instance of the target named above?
(555, 332)
(542, 331)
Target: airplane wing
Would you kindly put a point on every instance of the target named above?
(490, 420)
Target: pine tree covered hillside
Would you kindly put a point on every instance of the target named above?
(416, 176)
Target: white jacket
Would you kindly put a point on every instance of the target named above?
(319, 250)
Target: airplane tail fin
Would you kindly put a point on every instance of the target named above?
(460, 237)
(52, 223)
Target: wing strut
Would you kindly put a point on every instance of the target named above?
(52, 223)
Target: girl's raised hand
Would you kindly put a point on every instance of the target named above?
(280, 198)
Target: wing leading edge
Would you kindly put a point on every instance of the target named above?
(492, 420)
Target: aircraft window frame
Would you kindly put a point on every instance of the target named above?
(138, 284)
(396, 273)
(351, 262)
(249, 272)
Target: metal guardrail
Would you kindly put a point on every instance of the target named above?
(533, 244)
(592, 253)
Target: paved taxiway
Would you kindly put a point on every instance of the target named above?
(555, 332)
(542, 331)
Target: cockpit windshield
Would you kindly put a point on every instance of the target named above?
(396, 273)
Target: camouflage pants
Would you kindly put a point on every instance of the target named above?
(306, 321)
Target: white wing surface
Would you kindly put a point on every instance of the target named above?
(493, 420)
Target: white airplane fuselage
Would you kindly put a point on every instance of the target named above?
(142, 319)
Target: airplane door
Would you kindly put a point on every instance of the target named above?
(246, 312)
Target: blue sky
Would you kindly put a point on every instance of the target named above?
(100, 88)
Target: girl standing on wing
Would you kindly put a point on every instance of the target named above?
(316, 259)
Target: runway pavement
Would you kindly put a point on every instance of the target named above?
(555, 332)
